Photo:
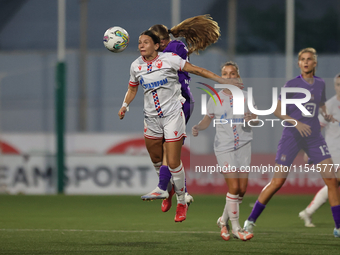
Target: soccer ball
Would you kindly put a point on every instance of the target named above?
(116, 39)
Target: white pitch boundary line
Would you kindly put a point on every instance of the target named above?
(134, 231)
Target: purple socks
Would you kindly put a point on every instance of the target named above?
(257, 210)
(336, 215)
(164, 177)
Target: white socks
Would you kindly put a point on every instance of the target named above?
(225, 215)
(157, 167)
(178, 177)
(319, 199)
(233, 210)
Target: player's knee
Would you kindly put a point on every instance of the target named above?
(277, 183)
(331, 182)
(156, 158)
(173, 164)
(242, 191)
(234, 188)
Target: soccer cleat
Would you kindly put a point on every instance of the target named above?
(166, 204)
(242, 234)
(224, 229)
(188, 198)
(157, 193)
(336, 232)
(307, 218)
(249, 226)
(181, 212)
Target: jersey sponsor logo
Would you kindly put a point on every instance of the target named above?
(152, 85)
(159, 63)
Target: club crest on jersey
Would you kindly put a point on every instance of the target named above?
(283, 157)
(174, 54)
(176, 133)
(140, 68)
(159, 63)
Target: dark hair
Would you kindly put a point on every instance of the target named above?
(199, 32)
(153, 36)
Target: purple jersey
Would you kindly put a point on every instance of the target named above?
(318, 96)
(180, 49)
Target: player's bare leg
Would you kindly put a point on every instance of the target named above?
(155, 149)
(266, 194)
(231, 209)
(329, 177)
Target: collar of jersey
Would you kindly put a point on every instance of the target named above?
(306, 82)
(149, 61)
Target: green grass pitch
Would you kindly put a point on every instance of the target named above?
(127, 225)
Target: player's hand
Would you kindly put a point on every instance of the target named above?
(122, 112)
(194, 130)
(249, 116)
(329, 118)
(236, 82)
(304, 129)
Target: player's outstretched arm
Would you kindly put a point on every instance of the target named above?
(304, 129)
(324, 113)
(190, 68)
(203, 124)
(129, 96)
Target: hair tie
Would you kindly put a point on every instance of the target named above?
(169, 31)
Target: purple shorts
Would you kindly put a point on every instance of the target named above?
(187, 108)
(315, 146)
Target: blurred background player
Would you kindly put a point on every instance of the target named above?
(306, 135)
(156, 72)
(199, 32)
(232, 148)
(332, 137)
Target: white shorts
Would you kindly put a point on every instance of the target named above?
(171, 128)
(234, 160)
